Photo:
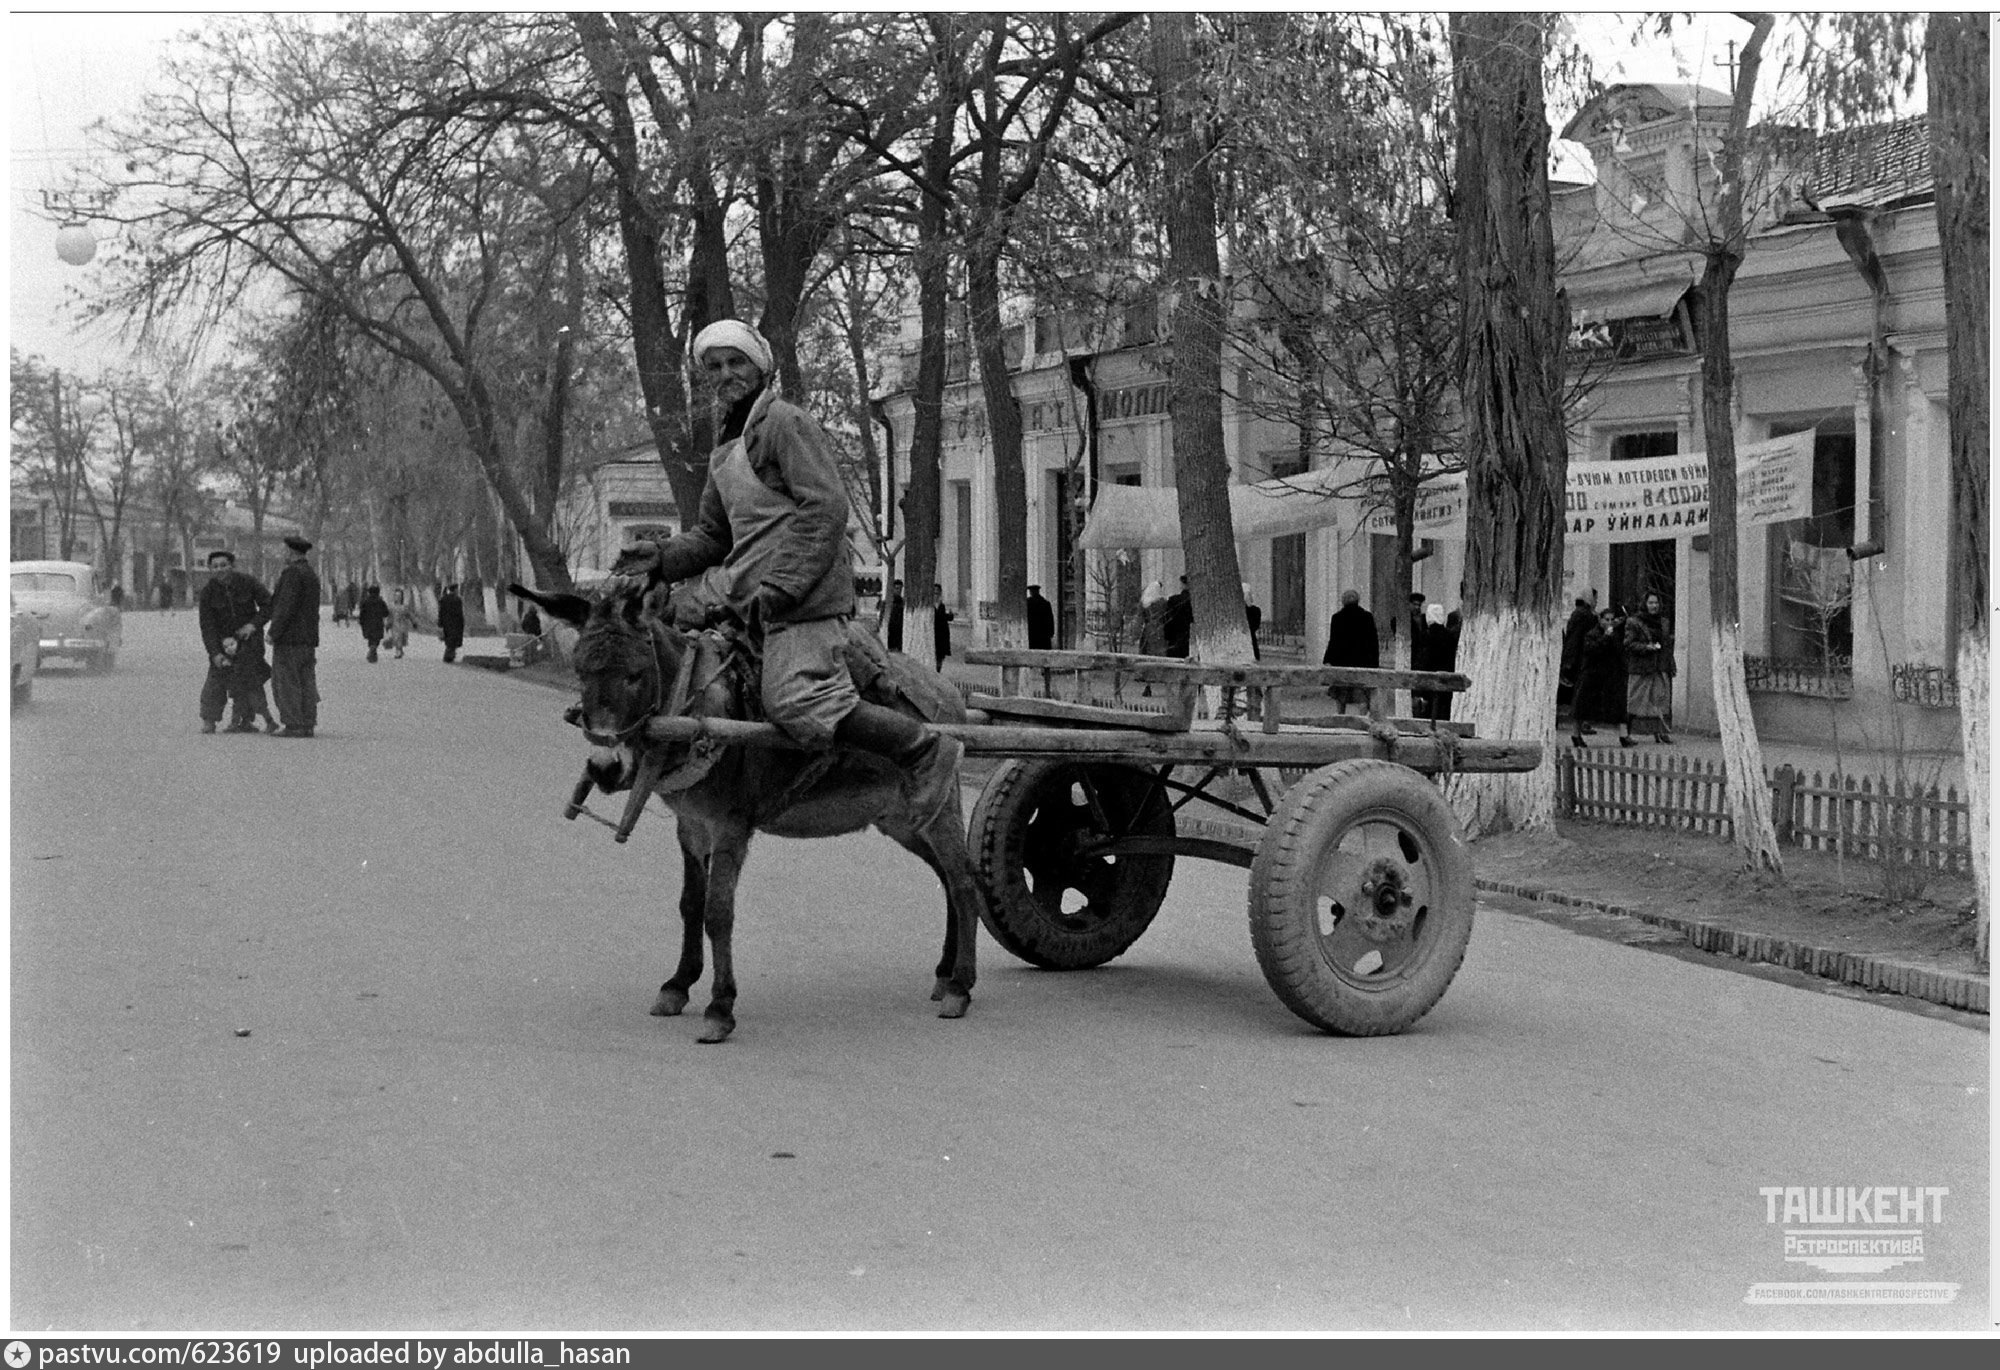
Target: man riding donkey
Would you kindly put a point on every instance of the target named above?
(770, 544)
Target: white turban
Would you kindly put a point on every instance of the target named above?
(737, 334)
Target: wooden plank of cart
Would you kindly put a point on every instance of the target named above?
(1360, 881)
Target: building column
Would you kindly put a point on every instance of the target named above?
(1924, 502)
(1870, 666)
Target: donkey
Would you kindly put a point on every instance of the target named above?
(633, 666)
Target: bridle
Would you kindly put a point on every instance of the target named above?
(659, 703)
(679, 699)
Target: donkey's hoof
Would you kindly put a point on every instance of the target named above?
(952, 1003)
(670, 1003)
(718, 1030)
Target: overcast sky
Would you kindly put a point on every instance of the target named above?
(71, 68)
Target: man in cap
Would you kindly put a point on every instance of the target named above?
(770, 542)
(295, 640)
(232, 610)
(1041, 621)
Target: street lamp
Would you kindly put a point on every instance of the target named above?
(75, 243)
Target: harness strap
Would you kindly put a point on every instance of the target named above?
(677, 701)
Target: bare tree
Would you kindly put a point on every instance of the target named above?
(322, 157)
(1516, 450)
(1749, 796)
(1198, 302)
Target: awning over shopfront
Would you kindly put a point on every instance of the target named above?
(1647, 300)
(1149, 516)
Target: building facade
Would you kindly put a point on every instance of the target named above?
(153, 560)
(1837, 327)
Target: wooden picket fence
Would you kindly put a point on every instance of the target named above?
(1867, 817)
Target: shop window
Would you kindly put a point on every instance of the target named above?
(1810, 578)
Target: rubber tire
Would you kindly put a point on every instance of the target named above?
(1026, 800)
(1428, 856)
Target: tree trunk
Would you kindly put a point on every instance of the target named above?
(1958, 56)
(1199, 303)
(1516, 452)
(922, 500)
(1003, 427)
(1748, 794)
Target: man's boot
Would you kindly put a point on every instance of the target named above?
(927, 758)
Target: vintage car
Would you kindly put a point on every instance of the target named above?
(75, 618)
(27, 635)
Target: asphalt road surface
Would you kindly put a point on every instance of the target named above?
(350, 1033)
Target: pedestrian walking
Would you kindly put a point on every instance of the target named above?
(1649, 670)
(1255, 617)
(941, 618)
(1041, 621)
(531, 622)
(451, 622)
(769, 541)
(295, 641)
(1600, 679)
(373, 613)
(1351, 640)
(402, 620)
(231, 612)
(117, 595)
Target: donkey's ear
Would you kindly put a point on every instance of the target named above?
(571, 609)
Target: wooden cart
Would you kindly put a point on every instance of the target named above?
(1361, 889)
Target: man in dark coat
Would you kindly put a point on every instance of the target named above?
(1582, 618)
(451, 621)
(1177, 624)
(295, 640)
(373, 613)
(232, 611)
(1351, 641)
(1041, 621)
(894, 609)
(941, 618)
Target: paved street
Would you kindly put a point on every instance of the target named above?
(351, 1033)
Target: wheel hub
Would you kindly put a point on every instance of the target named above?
(1387, 906)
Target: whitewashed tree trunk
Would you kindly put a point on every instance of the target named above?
(1512, 656)
(1748, 796)
(1975, 729)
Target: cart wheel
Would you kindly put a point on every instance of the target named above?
(1051, 900)
(1361, 898)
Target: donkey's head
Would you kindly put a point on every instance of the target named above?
(626, 661)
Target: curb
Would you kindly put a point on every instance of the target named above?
(1954, 989)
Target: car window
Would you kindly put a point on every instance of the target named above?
(43, 582)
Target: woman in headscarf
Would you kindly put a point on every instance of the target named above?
(770, 542)
(1435, 650)
(1649, 670)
